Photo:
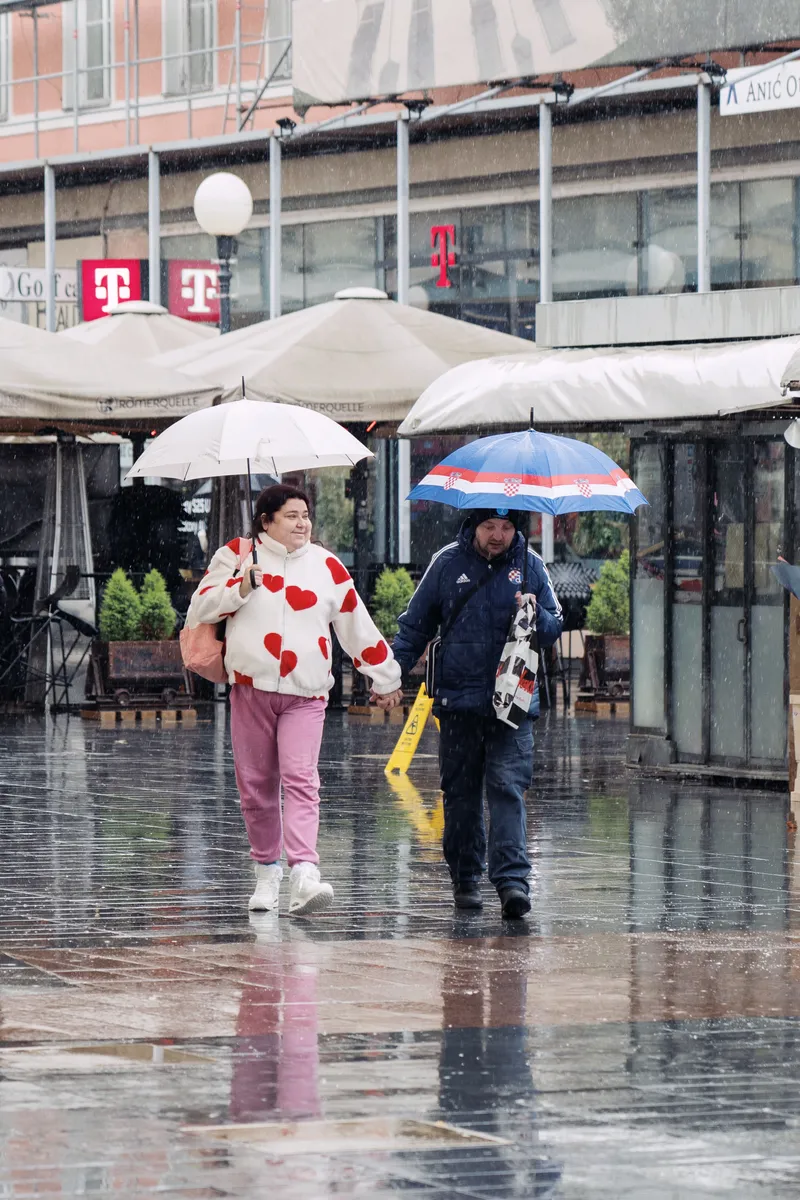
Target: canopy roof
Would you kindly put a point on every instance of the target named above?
(595, 387)
(45, 377)
(142, 330)
(359, 357)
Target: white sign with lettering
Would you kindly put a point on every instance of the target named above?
(744, 92)
(29, 283)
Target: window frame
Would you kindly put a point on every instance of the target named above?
(181, 62)
(68, 25)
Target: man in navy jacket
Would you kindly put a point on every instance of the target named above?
(475, 748)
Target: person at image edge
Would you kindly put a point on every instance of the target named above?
(277, 654)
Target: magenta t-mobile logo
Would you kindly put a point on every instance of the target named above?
(443, 240)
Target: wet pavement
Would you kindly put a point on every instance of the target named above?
(638, 1037)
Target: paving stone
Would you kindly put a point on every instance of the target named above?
(637, 1038)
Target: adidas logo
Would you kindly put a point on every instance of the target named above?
(463, 579)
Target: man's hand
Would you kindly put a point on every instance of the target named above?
(250, 580)
(528, 596)
(387, 702)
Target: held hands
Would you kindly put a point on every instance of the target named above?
(250, 581)
(387, 702)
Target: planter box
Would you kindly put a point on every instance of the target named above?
(138, 671)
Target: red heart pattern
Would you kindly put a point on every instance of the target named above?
(288, 662)
(273, 643)
(356, 663)
(350, 602)
(273, 583)
(299, 599)
(323, 646)
(232, 582)
(375, 655)
(203, 591)
(234, 546)
(247, 680)
(339, 572)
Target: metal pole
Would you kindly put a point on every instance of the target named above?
(237, 37)
(703, 188)
(546, 264)
(35, 15)
(154, 225)
(226, 249)
(50, 248)
(136, 67)
(187, 68)
(275, 273)
(545, 204)
(126, 43)
(403, 240)
(75, 77)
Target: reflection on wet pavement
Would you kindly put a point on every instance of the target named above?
(637, 1038)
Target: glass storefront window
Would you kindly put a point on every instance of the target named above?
(594, 246)
(668, 259)
(647, 611)
(337, 255)
(769, 232)
(688, 496)
(725, 238)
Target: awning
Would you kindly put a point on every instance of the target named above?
(595, 387)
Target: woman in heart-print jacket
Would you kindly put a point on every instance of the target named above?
(277, 653)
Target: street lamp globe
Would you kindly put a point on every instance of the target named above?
(223, 204)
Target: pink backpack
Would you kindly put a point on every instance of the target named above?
(201, 647)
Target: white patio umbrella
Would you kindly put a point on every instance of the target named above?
(46, 378)
(358, 357)
(142, 330)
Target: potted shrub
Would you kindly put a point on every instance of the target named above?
(137, 655)
(607, 660)
(393, 590)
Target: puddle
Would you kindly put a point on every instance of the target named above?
(337, 1137)
(139, 1052)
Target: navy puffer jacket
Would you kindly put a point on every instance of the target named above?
(471, 651)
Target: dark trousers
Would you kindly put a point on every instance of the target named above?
(473, 750)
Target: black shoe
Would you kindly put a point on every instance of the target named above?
(515, 902)
(467, 895)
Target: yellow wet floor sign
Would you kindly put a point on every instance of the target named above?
(408, 741)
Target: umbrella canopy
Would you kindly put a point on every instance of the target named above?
(47, 378)
(534, 471)
(359, 357)
(249, 435)
(596, 386)
(142, 330)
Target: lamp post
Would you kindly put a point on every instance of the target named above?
(223, 206)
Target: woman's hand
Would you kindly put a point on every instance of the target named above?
(387, 702)
(250, 580)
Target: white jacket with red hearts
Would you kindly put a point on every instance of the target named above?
(277, 638)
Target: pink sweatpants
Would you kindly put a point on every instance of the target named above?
(276, 740)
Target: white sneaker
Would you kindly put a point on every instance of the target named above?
(308, 894)
(268, 886)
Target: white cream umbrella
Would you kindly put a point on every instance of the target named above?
(249, 436)
(359, 357)
(142, 330)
